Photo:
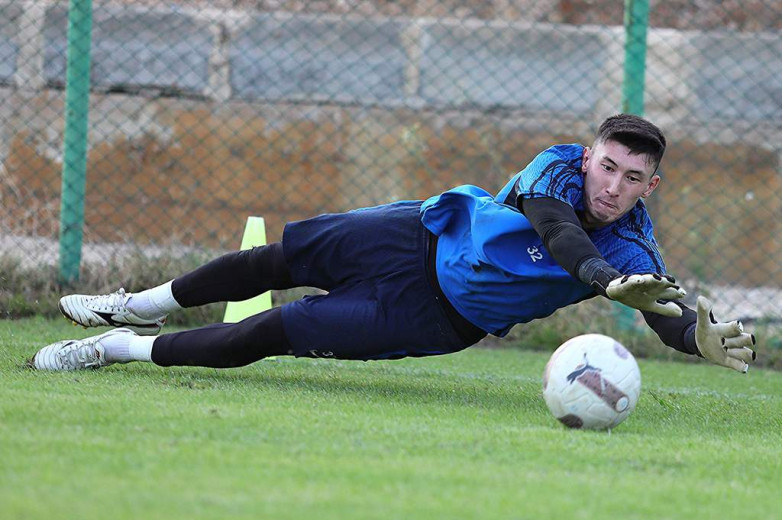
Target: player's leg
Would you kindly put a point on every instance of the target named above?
(235, 276)
(222, 345)
(391, 317)
(322, 252)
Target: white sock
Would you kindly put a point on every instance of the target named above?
(140, 348)
(153, 303)
(124, 348)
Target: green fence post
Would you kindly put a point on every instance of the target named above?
(77, 92)
(636, 22)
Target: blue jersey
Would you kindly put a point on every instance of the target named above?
(492, 265)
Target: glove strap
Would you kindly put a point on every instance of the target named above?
(597, 273)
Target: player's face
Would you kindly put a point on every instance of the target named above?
(614, 180)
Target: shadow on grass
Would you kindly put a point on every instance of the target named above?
(400, 384)
(684, 414)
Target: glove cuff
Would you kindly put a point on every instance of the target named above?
(688, 338)
(597, 273)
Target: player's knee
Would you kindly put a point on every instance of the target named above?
(269, 260)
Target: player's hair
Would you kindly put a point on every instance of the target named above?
(636, 133)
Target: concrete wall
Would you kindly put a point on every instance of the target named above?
(201, 117)
(419, 62)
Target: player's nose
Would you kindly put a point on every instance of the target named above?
(613, 186)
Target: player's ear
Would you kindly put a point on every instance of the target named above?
(653, 182)
(585, 158)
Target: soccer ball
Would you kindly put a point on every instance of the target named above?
(592, 382)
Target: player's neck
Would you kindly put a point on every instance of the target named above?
(586, 224)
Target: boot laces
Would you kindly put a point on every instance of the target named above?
(80, 354)
(114, 302)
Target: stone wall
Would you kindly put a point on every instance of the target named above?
(201, 117)
(219, 55)
(743, 15)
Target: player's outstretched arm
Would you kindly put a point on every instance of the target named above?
(725, 344)
(645, 292)
(567, 242)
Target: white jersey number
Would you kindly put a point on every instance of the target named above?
(534, 254)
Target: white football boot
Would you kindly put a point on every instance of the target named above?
(107, 310)
(75, 354)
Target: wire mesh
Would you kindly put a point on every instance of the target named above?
(205, 112)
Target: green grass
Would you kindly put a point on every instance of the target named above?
(459, 436)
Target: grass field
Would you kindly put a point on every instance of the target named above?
(460, 436)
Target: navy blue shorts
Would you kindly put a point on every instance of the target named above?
(380, 303)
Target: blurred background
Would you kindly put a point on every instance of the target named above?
(189, 116)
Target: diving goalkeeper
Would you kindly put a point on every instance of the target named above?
(421, 278)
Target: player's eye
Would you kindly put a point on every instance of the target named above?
(607, 167)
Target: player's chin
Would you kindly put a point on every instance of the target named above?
(602, 218)
(607, 214)
(610, 219)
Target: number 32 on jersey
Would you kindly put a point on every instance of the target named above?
(534, 254)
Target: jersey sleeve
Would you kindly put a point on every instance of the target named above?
(555, 173)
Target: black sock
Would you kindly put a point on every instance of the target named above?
(235, 276)
(224, 345)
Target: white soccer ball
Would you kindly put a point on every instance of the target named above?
(592, 382)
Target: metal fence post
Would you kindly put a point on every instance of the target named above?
(636, 21)
(636, 24)
(77, 92)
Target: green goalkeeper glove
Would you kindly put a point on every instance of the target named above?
(725, 344)
(643, 292)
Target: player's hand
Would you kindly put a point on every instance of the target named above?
(643, 292)
(725, 344)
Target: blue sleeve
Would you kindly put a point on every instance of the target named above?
(555, 173)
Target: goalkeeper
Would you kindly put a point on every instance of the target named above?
(420, 278)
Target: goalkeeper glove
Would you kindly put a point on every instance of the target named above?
(725, 344)
(644, 292)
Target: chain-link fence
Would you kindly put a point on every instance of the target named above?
(202, 113)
